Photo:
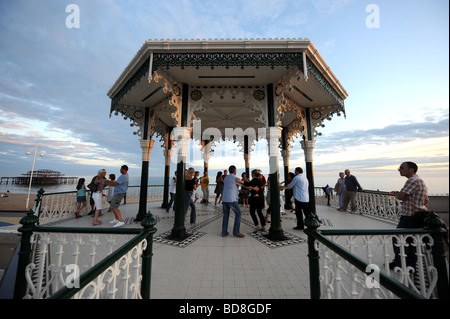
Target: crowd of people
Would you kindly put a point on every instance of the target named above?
(251, 192)
(117, 190)
(233, 192)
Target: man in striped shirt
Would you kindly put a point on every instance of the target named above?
(414, 197)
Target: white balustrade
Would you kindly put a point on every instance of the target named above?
(376, 204)
(341, 280)
(59, 206)
(59, 257)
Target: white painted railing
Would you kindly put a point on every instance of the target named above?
(341, 280)
(59, 206)
(376, 204)
(59, 258)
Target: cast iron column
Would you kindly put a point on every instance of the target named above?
(308, 147)
(144, 172)
(285, 153)
(246, 157)
(182, 134)
(167, 156)
(273, 136)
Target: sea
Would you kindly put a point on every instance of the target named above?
(23, 189)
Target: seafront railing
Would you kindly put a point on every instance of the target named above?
(354, 264)
(377, 204)
(339, 259)
(88, 263)
(54, 207)
(58, 206)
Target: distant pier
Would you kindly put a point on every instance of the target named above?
(40, 177)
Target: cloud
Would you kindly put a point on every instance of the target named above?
(54, 82)
(329, 6)
(393, 134)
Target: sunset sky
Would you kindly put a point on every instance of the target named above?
(54, 81)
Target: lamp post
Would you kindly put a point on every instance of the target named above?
(32, 169)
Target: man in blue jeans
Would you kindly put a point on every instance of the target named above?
(230, 200)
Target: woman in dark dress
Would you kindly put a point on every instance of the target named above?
(189, 189)
(219, 188)
(256, 200)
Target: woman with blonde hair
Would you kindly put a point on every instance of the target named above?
(189, 188)
(97, 195)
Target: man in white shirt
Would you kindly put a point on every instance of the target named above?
(230, 200)
(301, 195)
(172, 191)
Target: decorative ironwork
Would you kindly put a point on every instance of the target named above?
(138, 114)
(176, 89)
(227, 60)
(53, 252)
(143, 70)
(279, 89)
(340, 279)
(318, 76)
(316, 115)
(196, 95)
(259, 95)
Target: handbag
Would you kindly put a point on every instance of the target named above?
(93, 187)
(337, 188)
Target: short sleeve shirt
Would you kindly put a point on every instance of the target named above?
(122, 185)
(204, 181)
(417, 196)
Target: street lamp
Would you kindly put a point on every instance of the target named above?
(32, 169)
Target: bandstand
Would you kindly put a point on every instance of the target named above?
(214, 90)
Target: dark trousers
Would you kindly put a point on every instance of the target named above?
(299, 208)
(172, 201)
(410, 250)
(256, 204)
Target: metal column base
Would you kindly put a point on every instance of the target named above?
(276, 235)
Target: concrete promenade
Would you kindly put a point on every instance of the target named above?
(209, 266)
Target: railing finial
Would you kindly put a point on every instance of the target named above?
(312, 221)
(149, 221)
(29, 220)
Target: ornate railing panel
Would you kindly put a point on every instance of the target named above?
(356, 263)
(340, 279)
(56, 253)
(379, 204)
(376, 204)
(98, 263)
(59, 206)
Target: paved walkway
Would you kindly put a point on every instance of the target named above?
(209, 266)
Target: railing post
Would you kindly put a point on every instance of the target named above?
(148, 223)
(37, 205)
(312, 224)
(436, 226)
(28, 223)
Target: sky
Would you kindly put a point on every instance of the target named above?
(390, 56)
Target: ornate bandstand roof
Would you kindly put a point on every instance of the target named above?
(227, 81)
